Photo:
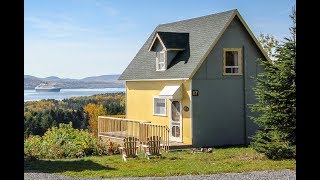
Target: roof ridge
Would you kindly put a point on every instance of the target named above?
(191, 19)
(172, 32)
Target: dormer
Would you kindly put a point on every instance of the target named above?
(166, 46)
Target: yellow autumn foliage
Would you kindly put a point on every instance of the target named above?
(93, 111)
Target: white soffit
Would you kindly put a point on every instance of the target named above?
(171, 91)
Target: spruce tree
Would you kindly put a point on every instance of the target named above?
(276, 94)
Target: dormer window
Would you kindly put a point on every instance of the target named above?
(161, 63)
(166, 45)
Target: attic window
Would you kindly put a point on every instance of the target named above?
(232, 61)
(161, 61)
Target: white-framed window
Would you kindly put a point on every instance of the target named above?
(232, 61)
(159, 106)
(161, 64)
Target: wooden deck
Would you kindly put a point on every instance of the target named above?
(116, 129)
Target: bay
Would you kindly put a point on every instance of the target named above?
(32, 95)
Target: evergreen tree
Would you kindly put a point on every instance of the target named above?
(276, 94)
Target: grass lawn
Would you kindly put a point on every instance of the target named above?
(173, 163)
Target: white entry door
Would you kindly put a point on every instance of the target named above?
(175, 122)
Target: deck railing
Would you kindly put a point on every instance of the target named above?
(119, 128)
(118, 116)
(150, 129)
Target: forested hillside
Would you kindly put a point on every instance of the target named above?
(44, 114)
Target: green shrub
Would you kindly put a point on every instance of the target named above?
(273, 145)
(62, 142)
(32, 147)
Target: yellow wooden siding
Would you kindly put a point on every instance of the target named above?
(140, 103)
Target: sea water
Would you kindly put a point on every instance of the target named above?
(32, 95)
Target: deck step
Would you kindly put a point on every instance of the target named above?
(179, 146)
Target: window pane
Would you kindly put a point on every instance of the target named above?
(157, 55)
(157, 110)
(162, 110)
(175, 131)
(161, 59)
(231, 58)
(175, 111)
(159, 106)
(232, 70)
(160, 66)
(235, 70)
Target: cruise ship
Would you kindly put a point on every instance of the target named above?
(47, 88)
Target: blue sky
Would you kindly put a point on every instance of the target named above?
(81, 38)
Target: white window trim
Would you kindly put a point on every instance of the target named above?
(165, 61)
(165, 106)
(239, 50)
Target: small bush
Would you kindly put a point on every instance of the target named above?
(113, 148)
(109, 147)
(273, 145)
(32, 147)
(62, 142)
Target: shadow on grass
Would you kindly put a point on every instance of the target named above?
(231, 146)
(56, 166)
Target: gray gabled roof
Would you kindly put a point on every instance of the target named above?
(204, 32)
(173, 40)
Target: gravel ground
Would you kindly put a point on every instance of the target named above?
(257, 175)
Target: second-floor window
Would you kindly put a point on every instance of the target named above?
(232, 61)
(161, 61)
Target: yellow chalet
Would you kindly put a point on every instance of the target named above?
(194, 79)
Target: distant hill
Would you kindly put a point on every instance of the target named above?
(51, 78)
(101, 78)
(104, 81)
(30, 82)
